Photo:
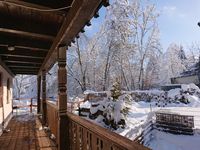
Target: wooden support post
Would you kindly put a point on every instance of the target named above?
(44, 105)
(63, 142)
(31, 106)
(38, 94)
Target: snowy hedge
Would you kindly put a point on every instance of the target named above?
(184, 95)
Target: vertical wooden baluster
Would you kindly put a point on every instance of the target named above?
(98, 143)
(74, 137)
(90, 141)
(44, 106)
(77, 137)
(31, 106)
(84, 139)
(69, 133)
(81, 138)
(101, 145)
(38, 94)
(107, 145)
(94, 142)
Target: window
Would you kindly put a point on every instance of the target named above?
(1, 91)
(8, 90)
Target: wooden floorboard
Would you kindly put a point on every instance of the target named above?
(26, 134)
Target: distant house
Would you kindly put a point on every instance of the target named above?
(5, 97)
(191, 75)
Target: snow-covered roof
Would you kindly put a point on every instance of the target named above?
(191, 70)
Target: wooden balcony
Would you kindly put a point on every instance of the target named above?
(33, 36)
(24, 134)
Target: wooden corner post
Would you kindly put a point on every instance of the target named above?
(44, 105)
(38, 94)
(63, 142)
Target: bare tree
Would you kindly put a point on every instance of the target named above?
(19, 85)
(145, 25)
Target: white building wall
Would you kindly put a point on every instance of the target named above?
(187, 80)
(7, 105)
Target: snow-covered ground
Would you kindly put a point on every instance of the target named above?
(138, 115)
(167, 141)
(141, 112)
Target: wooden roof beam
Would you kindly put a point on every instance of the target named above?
(80, 13)
(18, 59)
(26, 47)
(26, 73)
(24, 42)
(21, 66)
(27, 34)
(22, 62)
(31, 6)
(30, 72)
(24, 70)
(22, 56)
(33, 24)
(22, 53)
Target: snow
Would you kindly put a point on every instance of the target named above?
(117, 115)
(142, 112)
(87, 104)
(94, 110)
(167, 141)
(185, 87)
(173, 92)
(99, 119)
(88, 92)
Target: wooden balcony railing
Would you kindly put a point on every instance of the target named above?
(85, 135)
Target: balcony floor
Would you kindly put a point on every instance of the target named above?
(25, 134)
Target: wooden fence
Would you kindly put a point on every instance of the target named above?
(145, 136)
(175, 123)
(30, 106)
(167, 122)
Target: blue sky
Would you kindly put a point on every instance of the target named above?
(177, 21)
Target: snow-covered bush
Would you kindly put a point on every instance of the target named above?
(183, 94)
(114, 108)
(115, 91)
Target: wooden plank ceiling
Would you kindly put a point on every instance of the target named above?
(35, 29)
